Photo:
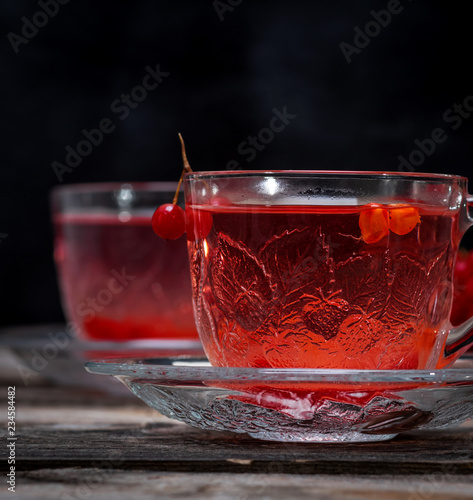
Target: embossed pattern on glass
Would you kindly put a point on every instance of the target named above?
(318, 295)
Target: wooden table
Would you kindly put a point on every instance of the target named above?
(80, 443)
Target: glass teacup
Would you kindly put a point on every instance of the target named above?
(325, 269)
(119, 281)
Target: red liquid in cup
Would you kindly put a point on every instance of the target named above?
(300, 287)
(120, 281)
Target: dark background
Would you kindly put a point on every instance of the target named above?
(225, 78)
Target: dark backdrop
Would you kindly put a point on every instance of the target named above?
(229, 65)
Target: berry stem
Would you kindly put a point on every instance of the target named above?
(176, 194)
(186, 168)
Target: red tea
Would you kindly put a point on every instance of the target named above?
(120, 281)
(324, 287)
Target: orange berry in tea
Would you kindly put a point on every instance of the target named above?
(374, 223)
(403, 219)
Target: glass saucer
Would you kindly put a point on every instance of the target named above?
(50, 352)
(299, 404)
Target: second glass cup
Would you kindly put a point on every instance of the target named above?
(119, 281)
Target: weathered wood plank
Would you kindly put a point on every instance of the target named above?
(103, 484)
(166, 445)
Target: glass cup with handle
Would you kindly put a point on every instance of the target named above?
(327, 269)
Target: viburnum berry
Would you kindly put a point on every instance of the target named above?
(169, 221)
(198, 224)
(462, 307)
(374, 223)
(377, 221)
(403, 219)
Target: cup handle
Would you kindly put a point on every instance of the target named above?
(460, 338)
(469, 208)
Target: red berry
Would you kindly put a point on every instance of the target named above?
(462, 307)
(169, 221)
(198, 224)
(469, 262)
(461, 272)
